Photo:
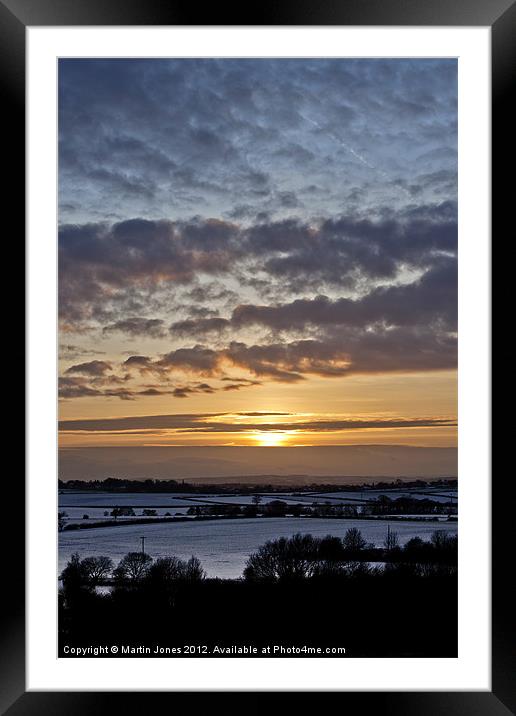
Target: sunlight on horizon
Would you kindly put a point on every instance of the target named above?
(271, 439)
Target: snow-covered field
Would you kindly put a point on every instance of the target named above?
(224, 545)
(94, 504)
(129, 499)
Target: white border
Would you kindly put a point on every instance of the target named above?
(471, 670)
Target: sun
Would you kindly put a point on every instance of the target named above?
(271, 439)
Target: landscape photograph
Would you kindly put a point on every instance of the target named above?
(257, 358)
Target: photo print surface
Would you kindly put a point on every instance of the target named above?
(258, 357)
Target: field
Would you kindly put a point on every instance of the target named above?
(224, 545)
(95, 504)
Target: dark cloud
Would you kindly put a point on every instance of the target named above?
(139, 362)
(198, 359)
(321, 425)
(397, 328)
(151, 327)
(200, 326)
(406, 326)
(99, 264)
(74, 387)
(347, 249)
(80, 388)
(261, 413)
(69, 351)
(336, 354)
(92, 368)
(431, 299)
(97, 261)
(149, 422)
(361, 351)
(338, 255)
(239, 386)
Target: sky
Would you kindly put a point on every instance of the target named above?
(257, 252)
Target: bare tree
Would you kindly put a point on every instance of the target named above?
(167, 570)
(280, 559)
(440, 540)
(353, 540)
(133, 567)
(194, 571)
(391, 540)
(73, 575)
(97, 568)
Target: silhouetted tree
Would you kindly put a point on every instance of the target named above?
(391, 540)
(61, 520)
(276, 508)
(165, 572)
(166, 569)
(330, 548)
(74, 575)
(441, 541)
(133, 567)
(122, 512)
(97, 568)
(283, 558)
(414, 544)
(353, 540)
(193, 570)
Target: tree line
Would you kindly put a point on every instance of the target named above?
(116, 484)
(382, 506)
(279, 508)
(301, 556)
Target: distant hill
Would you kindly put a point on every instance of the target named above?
(336, 464)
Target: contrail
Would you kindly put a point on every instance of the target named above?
(350, 149)
(342, 143)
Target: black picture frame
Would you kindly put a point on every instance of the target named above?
(500, 15)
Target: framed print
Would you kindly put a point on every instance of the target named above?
(258, 356)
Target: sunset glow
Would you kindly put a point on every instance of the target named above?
(271, 439)
(257, 259)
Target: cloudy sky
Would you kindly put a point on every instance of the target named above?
(257, 252)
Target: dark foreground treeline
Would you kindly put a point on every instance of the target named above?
(297, 592)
